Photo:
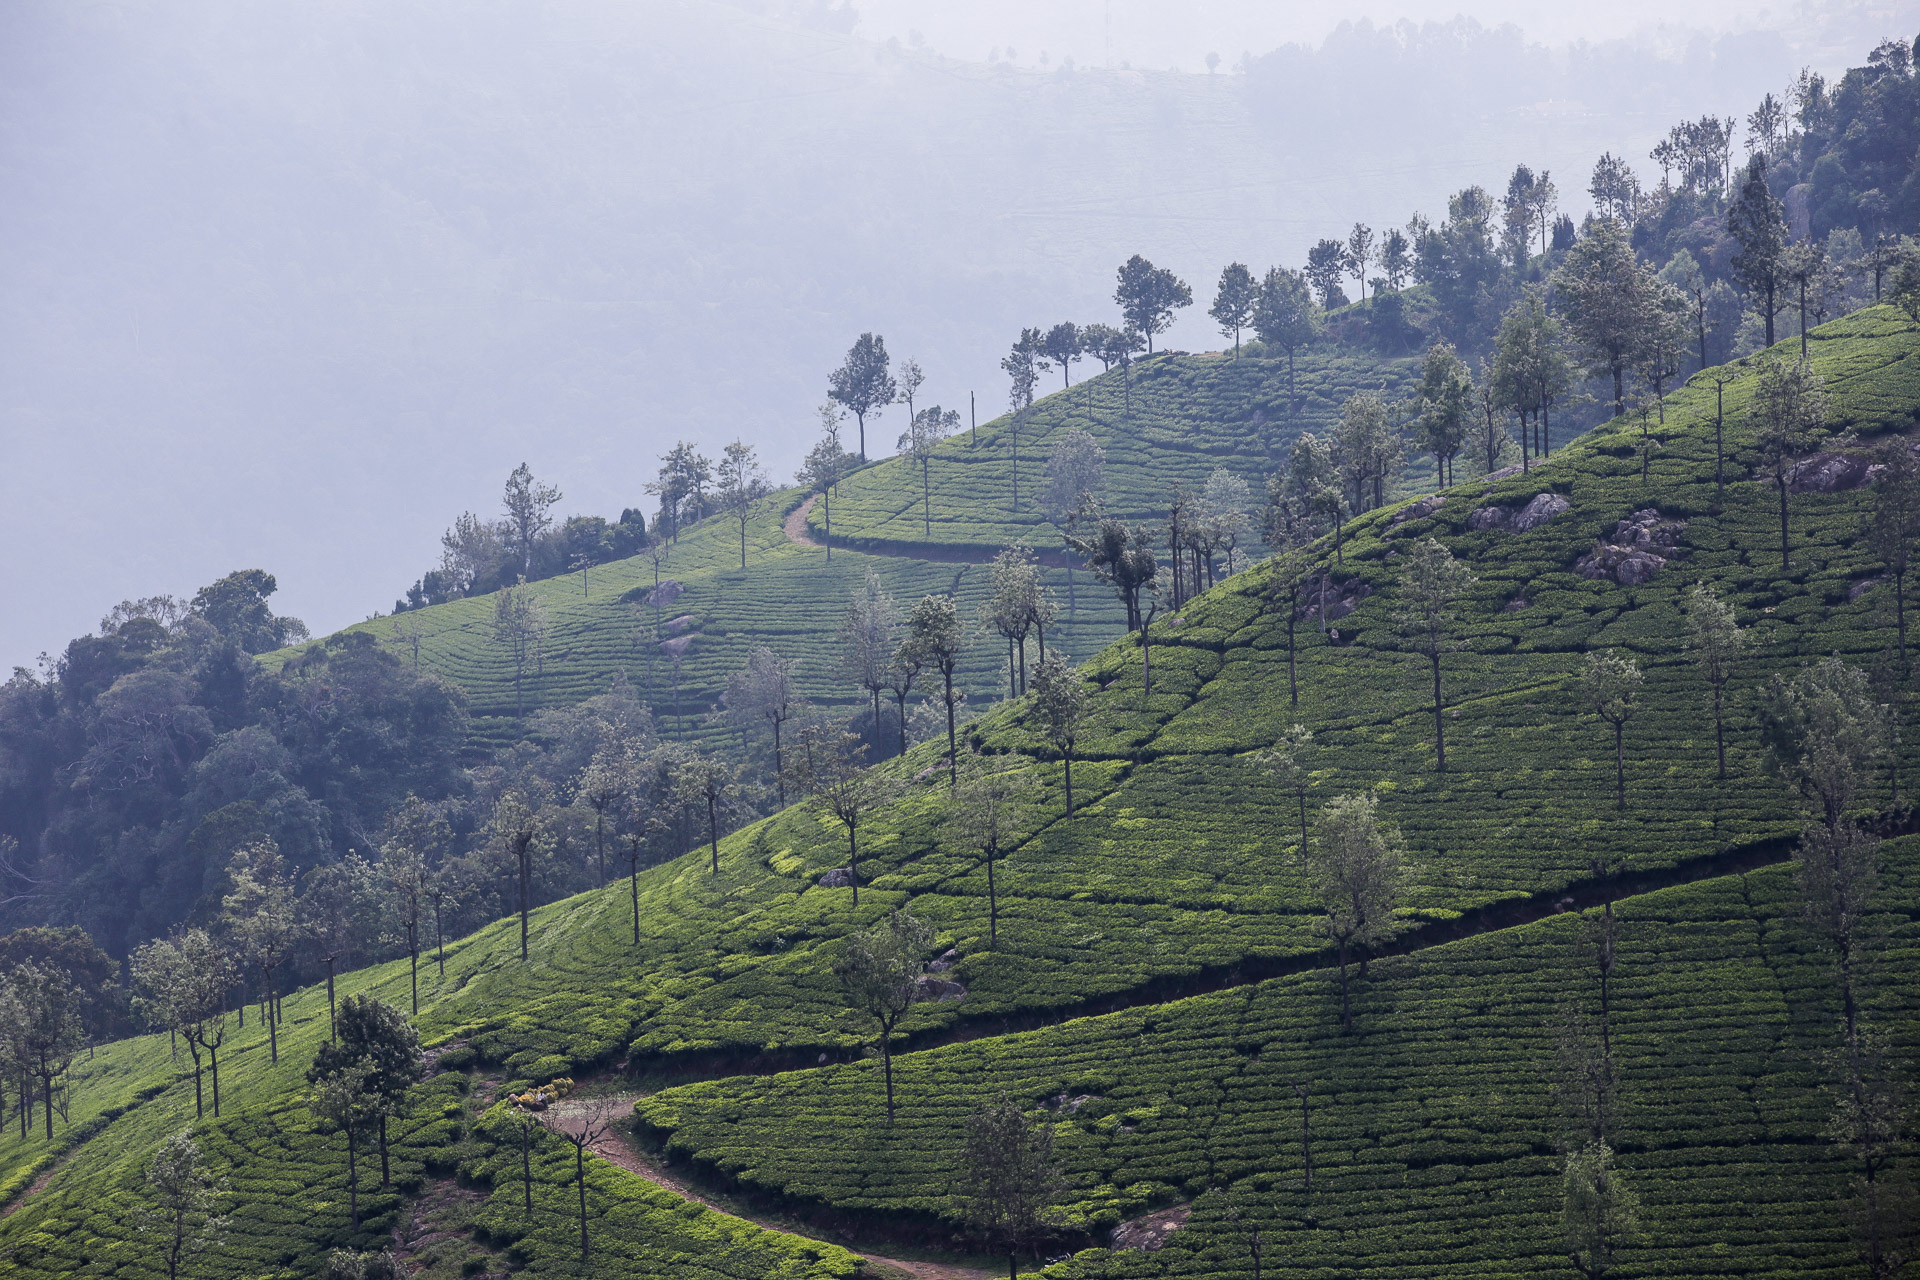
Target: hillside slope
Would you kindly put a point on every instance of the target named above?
(1189, 415)
(1178, 877)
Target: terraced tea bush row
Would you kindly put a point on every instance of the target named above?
(1433, 1127)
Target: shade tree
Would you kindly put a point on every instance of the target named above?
(988, 811)
(1015, 601)
(1355, 869)
(1063, 344)
(1893, 525)
(1359, 256)
(880, 970)
(375, 1042)
(527, 502)
(862, 383)
(1285, 764)
(1825, 733)
(1148, 296)
(43, 1030)
(933, 642)
(1757, 222)
(826, 465)
(258, 916)
(710, 784)
(183, 1197)
(762, 694)
(1432, 583)
(867, 640)
(1284, 317)
(1444, 398)
(1060, 701)
(1234, 302)
(830, 768)
(1787, 413)
(1611, 683)
(740, 481)
(1008, 1180)
(1714, 635)
(918, 444)
(1608, 302)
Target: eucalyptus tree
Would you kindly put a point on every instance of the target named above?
(826, 465)
(934, 637)
(1021, 365)
(376, 1040)
(514, 829)
(1234, 301)
(1893, 526)
(1369, 449)
(1326, 264)
(1716, 639)
(1071, 486)
(907, 384)
(830, 768)
(342, 1101)
(43, 1027)
(1825, 733)
(1284, 317)
(862, 383)
(258, 914)
(867, 640)
(1606, 297)
(1356, 868)
(1014, 602)
(1445, 400)
(708, 782)
(740, 482)
(183, 1196)
(1060, 698)
(991, 806)
(1009, 1180)
(1285, 764)
(1148, 296)
(1289, 531)
(1757, 222)
(1788, 411)
(186, 979)
(881, 970)
(415, 836)
(918, 444)
(762, 693)
(1063, 344)
(1432, 582)
(527, 503)
(1611, 683)
(1121, 556)
(1359, 255)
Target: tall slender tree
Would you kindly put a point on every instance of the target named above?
(1611, 684)
(862, 383)
(1234, 302)
(934, 638)
(1788, 410)
(1716, 639)
(1355, 867)
(1060, 698)
(1148, 296)
(1757, 222)
(740, 482)
(881, 970)
(1432, 582)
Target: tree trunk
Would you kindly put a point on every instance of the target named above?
(1720, 727)
(1619, 764)
(634, 879)
(1780, 482)
(213, 1068)
(525, 892)
(333, 1029)
(1620, 384)
(1302, 794)
(853, 862)
(993, 903)
(46, 1110)
(713, 832)
(902, 700)
(1146, 661)
(886, 1062)
(1013, 684)
(413, 969)
(353, 1176)
(1067, 756)
(1346, 1008)
(580, 1177)
(1439, 725)
(1293, 670)
(526, 1167)
(1770, 310)
(385, 1175)
(953, 743)
(199, 1106)
(273, 1023)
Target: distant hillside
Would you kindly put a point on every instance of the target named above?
(1168, 927)
(1188, 416)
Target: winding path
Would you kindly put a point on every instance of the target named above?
(797, 531)
(615, 1146)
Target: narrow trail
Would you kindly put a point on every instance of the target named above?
(617, 1147)
(797, 531)
(38, 1185)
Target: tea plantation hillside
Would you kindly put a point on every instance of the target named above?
(1169, 422)
(789, 597)
(1180, 865)
(1167, 927)
(1188, 416)
(1434, 1126)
